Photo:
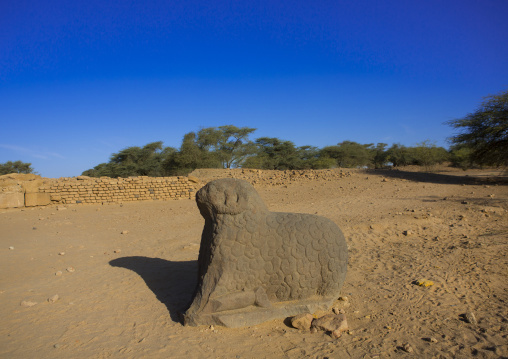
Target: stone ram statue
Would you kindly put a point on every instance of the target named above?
(256, 265)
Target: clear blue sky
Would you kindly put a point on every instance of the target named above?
(80, 80)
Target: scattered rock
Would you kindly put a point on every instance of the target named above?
(70, 269)
(407, 233)
(53, 299)
(11, 248)
(59, 273)
(27, 303)
(61, 208)
(407, 348)
(334, 323)
(424, 282)
(124, 232)
(338, 310)
(302, 321)
(117, 250)
(61, 253)
(470, 318)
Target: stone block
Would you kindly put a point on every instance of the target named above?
(12, 199)
(37, 199)
(55, 197)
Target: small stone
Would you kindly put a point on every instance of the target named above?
(335, 323)
(70, 269)
(407, 233)
(59, 273)
(424, 283)
(407, 348)
(61, 253)
(56, 346)
(432, 340)
(470, 318)
(11, 248)
(53, 298)
(302, 321)
(124, 232)
(344, 299)
(61, 208)
(338, 310)
(27, 303)
(34, 228)
(117, 250)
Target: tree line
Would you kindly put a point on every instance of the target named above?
(482, 140)
(229, 147)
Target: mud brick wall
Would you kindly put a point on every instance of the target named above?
(84, 189)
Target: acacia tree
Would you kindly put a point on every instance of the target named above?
(15, 167)
(399, 155)
(190, 156)
(485, 131)
(427, 154)
(349, 154)
(274, 154)
(134, 161)
(231, 144)
(379, 155)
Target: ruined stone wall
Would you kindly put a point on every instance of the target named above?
(84, 189)
(272, 177)
(17, 190)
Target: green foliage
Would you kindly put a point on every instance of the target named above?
(485, 132)
(278, 154)
(349, 154)
(134, 161)
(427, 155)
(460, 156)
(275, 154)
(399, 155)
(15, 167)
(379, 155)
(192, 155)
(230, 144)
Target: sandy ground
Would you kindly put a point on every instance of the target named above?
(120, 295)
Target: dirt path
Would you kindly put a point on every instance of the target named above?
(120, 295)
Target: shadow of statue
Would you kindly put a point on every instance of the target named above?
(173, 283)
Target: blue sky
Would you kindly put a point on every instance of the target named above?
(80, 80)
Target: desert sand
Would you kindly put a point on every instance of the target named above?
(111, 281)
